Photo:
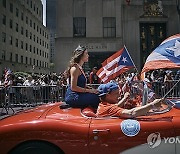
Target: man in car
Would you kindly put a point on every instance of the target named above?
(111, 105)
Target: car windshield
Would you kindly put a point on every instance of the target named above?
(144, 90)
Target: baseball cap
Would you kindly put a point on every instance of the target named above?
(107, 88)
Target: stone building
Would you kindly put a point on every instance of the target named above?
(105, 26)
(51, 25)
(24, 40)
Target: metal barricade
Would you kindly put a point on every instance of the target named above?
(30, 96)
(161, 88)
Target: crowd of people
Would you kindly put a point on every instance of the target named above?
(32, 88)
(160, 80)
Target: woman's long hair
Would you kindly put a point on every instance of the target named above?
(77, 55)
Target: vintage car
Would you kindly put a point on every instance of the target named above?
(56, 128)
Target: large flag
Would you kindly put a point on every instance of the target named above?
(166, 55)
(115, 65)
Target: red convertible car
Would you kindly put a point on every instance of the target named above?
(55, 129)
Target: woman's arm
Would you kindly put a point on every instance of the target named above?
(75, 72)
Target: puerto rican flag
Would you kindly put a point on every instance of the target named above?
(115, 65)
(166, 55)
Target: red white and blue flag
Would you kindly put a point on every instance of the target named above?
(7, 71)
(166, 55)
(115, 65)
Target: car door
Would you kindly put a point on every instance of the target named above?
(115, 135)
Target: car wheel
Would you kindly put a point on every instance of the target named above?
(36, 148)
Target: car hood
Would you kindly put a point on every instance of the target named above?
(29, 114)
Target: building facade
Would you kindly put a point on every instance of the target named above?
(51, 25)
(24, 40)
(105, 26)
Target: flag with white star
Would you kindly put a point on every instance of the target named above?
(166, 55)
(115, 65)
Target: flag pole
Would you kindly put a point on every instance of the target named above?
(131, 59)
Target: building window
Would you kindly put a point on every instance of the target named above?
(10, 40)
(37, 10)
(79, 27)
(30, 35)
(16, 42)
(11, 7)
(22, 30)
(34, 25)
(37, 51)
(34, 50)
(22, 44)
(11, 23)
(34, 38)
(4, 20)
(3, 55)
(26, 20)
(16, 27)
(16, 58)
(4, 3)
(21, 59)
(17, 12)
(34, 7)
(109, 27)
(26, 47)
(31, 4)
(10, 58)
(34, 62)
(3, 37)
(30, 23)
(22, 16)
(26, 33)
